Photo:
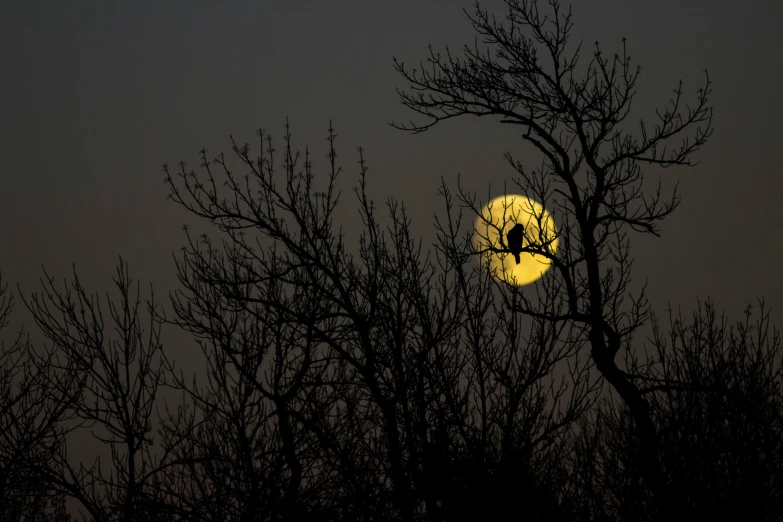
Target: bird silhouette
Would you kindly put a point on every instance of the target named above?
(514, 239)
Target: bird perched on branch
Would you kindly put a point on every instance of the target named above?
(514, 240)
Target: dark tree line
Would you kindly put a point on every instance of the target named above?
(398, 383)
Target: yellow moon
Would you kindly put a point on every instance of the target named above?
(501, 214)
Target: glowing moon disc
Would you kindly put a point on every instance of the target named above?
(504, 212)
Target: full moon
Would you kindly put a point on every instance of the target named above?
(500, 215)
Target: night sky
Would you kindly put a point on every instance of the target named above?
(96, 96)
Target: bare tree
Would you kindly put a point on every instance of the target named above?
(393, 377)
(117, 386)
(730, 444)
(239, 454)
(721, 450)
(30, 425)
(590, 177)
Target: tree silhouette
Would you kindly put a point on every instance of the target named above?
(368, 355)
(389, 384)
(30, 425)
(103, 383)
(478, 429)
(590, 177)
(721, 449)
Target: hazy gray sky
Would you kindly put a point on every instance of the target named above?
(96, 95)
